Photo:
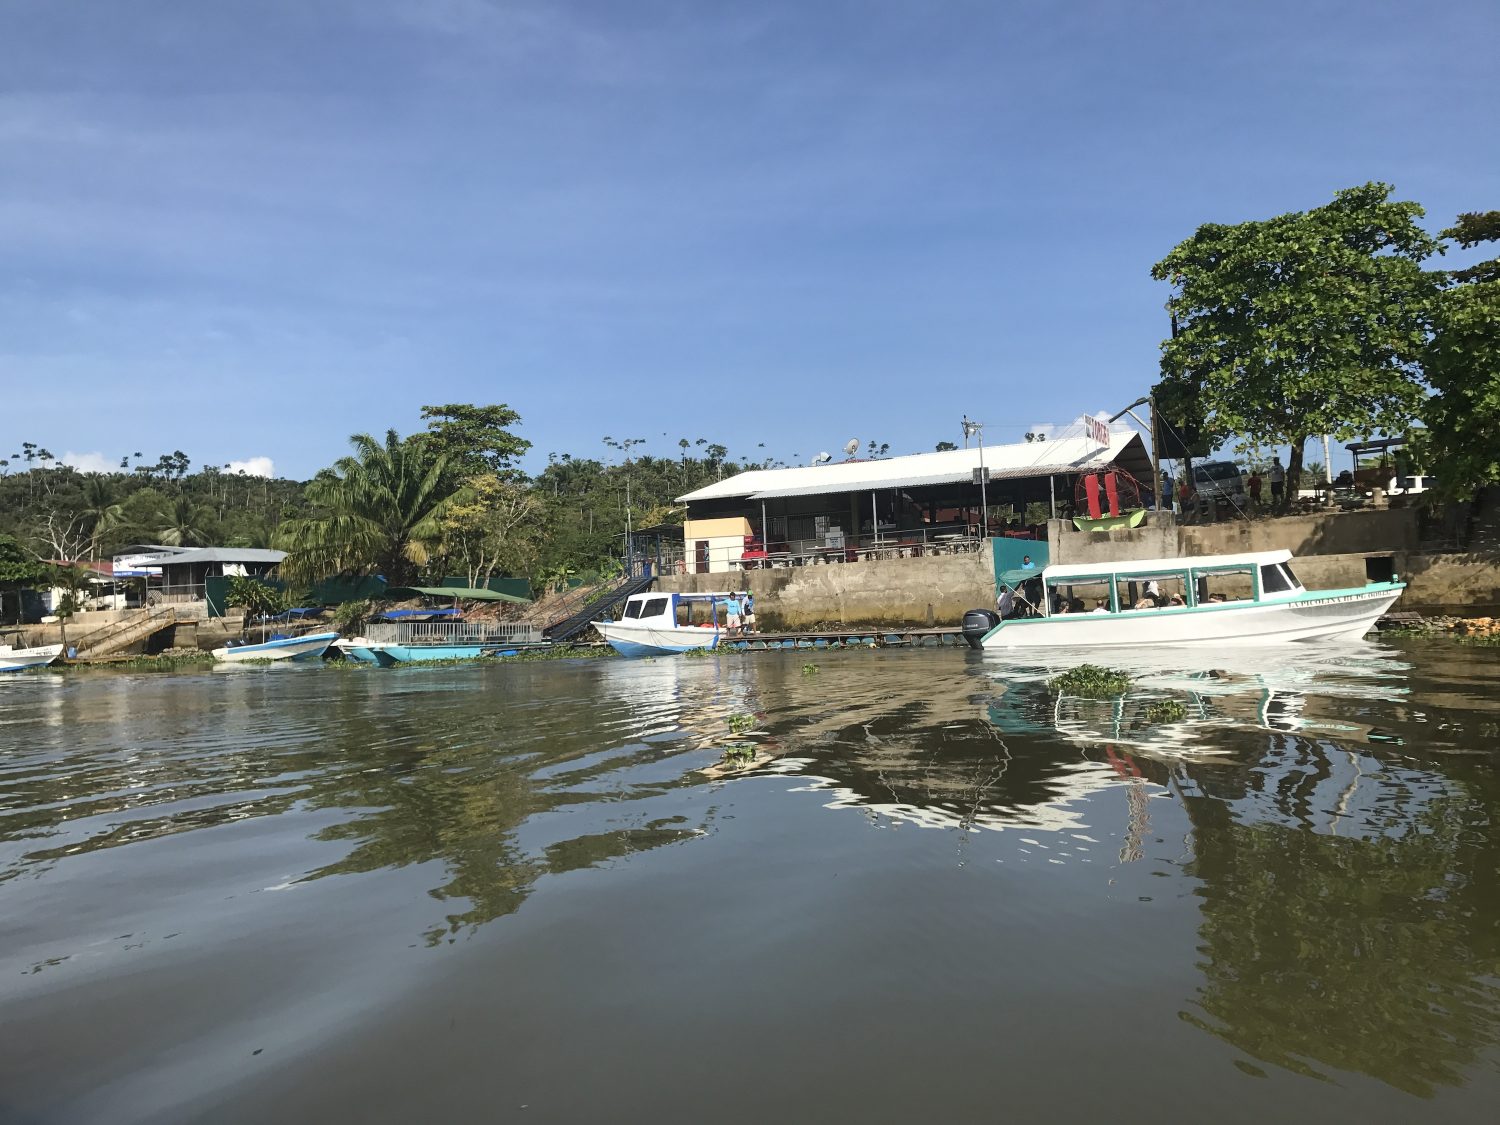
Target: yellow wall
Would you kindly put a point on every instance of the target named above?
(715, 529)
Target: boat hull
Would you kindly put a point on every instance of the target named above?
(290, 648)
(1315, 615)
(637, 640)
(20, 659)
(357, 650)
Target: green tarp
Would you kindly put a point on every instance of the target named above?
(452, 592)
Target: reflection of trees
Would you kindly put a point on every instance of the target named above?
(1366, 952)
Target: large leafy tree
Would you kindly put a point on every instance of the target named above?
(473, 439)
(1461, 444)
(1308, 323)
(377, 511)
(19, 570)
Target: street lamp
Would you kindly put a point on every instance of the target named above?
(976, 429)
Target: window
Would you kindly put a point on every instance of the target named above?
(633, 610)
(1079, 595)
(1232, 584)
(655, 607)
(1286, 568)
(1272, 581)
(1152, 591)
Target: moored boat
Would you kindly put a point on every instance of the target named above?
(1226, 600)
(19, 659)
(308, 647)
(663, 625)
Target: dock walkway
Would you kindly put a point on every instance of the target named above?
(850, 638)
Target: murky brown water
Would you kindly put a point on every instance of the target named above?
(534, 894)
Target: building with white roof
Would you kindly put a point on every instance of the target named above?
(926, 501)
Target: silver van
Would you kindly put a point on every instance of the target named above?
(1220, 480)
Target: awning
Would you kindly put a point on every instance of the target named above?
(461, 592)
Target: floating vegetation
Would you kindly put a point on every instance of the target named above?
(1090, 681)
(162, 662)
(741, 722)
(1165, 711)
(810, 669)
(739, 752)
(592, 652)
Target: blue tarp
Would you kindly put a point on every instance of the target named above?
(398, 614)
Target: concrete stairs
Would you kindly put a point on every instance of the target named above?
(122, 635)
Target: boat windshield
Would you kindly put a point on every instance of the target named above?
(1274, 580)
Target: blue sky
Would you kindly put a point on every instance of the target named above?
(246, 230)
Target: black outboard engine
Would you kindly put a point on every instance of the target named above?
(978, 622)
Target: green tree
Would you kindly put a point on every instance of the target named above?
(378, 511)
(1307, 323)
(186, 525)
(474, 439)
(483, 528)
(19, 570)
(1461, 442)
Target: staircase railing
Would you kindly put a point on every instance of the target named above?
(122, 633)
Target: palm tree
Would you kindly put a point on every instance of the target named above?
(185, 527)
(101, 509)
(377, 512)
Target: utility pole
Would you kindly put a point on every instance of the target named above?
(1155, 455)
(977, 429)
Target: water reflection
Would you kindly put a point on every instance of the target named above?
(1351, 916)
(1320, 833)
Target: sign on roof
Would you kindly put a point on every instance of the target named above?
(1098, 430)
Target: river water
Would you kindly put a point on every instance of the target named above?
(926, 890)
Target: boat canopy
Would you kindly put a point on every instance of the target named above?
(461, 592)
(1153, 567)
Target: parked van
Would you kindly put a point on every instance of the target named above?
(1220, 480)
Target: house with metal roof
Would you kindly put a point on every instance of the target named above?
(894, 507)
(182, 572)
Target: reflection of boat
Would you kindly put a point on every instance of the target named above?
(662, 624)
(278, 648)
(1226, 600)
(18, 659)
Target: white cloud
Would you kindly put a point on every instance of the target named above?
(91, 462)
(253, 467)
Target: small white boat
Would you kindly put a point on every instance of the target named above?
(1222, 600)
(19, 659)
(309, 647)
(662, 624)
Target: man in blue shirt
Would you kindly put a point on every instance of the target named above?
(1026, 563)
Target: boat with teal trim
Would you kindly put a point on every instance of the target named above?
(667, 624)
(1240, 600)
(309, 647)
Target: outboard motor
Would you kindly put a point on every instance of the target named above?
(978, 622)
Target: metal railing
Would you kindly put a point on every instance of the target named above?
(892, 544)
(453, 633)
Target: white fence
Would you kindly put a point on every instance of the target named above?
(453, 633)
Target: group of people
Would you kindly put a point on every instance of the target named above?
(1278, 482)
(739, 614)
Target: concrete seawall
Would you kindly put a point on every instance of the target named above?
(1333, 550)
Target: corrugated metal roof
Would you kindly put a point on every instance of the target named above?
(222, 555)
(1023, 459)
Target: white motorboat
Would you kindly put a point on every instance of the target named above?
(19, 659)
(309, 647)
(663, 624)
(1221, 600)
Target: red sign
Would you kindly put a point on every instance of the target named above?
(1099, 430)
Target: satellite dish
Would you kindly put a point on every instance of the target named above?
(851, 447)
(822, 458)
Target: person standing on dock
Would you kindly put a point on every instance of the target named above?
(732, 614)
(748, 617)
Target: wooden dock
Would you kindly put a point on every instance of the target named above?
(847, 638)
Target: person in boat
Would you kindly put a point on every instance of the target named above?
(1175, 600)
(1145, 602)
(1101, 606)
(1005, 604)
